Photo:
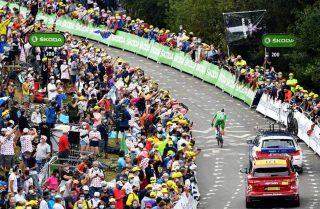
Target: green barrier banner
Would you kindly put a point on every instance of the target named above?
(178, 60)
(155, 51)
(117, 41)
(188, 65)
(212, 73)
(166, 55)
(226, 81)
(239, 91)
(249, 96)
(132, 42)
(200, 70)
(144, 47)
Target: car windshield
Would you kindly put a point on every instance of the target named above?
(277, 143)
(270, 172)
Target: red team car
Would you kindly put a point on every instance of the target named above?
(271, 178)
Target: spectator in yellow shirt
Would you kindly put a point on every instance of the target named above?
(240, 62)
(4, 26)
(26, 90)
(132, 197)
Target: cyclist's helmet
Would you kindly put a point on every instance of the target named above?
(222, 110)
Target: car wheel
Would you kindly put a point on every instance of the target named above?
(249, 204)
(296, 202)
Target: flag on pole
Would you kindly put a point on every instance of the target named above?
(241, 25)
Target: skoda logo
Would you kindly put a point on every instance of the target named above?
(267, 40)
(34, 39)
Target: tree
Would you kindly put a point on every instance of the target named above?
(305, 59)
(153, 12)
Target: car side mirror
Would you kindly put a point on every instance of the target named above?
(249, 141)
(244, 170)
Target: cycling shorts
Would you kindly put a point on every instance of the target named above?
(220, 123)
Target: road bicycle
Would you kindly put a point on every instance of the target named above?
(219, 136)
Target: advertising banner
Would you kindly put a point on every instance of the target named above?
(144, 47)
(249, 95)
(273, 109)
(200, 70)
(226, 81)
(212, 73)
(239, 91)
(155, 51)
(178, 60)
(117, 41)
(132, 42)
(308, 131)
(166, 56)
(188, 65)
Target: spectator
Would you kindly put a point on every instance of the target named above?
(43, 152)
(64, 145)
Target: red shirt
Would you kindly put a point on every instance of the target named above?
(63, 143)
(119, 195)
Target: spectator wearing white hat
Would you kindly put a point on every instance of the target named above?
(26, 140)
(58, 202)
(7, 148)
(52, 89)
(95, 200)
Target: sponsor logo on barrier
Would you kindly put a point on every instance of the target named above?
(167, 54)
(155, 50)
(46, 39)
(133, 43)
(118, 39)
(212, 74)
(278, 40)
(179, 59)
(144, 47)
(201, 69)
(189, 63)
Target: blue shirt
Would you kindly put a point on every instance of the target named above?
(51, 115)
(121, 163)
(59, 99)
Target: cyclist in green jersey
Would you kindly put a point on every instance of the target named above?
(219, 119)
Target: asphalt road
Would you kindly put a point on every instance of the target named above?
(220, 182)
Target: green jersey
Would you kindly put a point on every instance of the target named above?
(220, 116)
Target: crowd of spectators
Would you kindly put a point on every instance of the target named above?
(79, 83)
(263, 78)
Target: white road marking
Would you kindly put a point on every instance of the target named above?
(239, 137)
(237, 131)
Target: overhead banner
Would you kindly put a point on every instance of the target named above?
(241, 25)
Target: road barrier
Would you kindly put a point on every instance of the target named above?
(276, 110)
(307, 130)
